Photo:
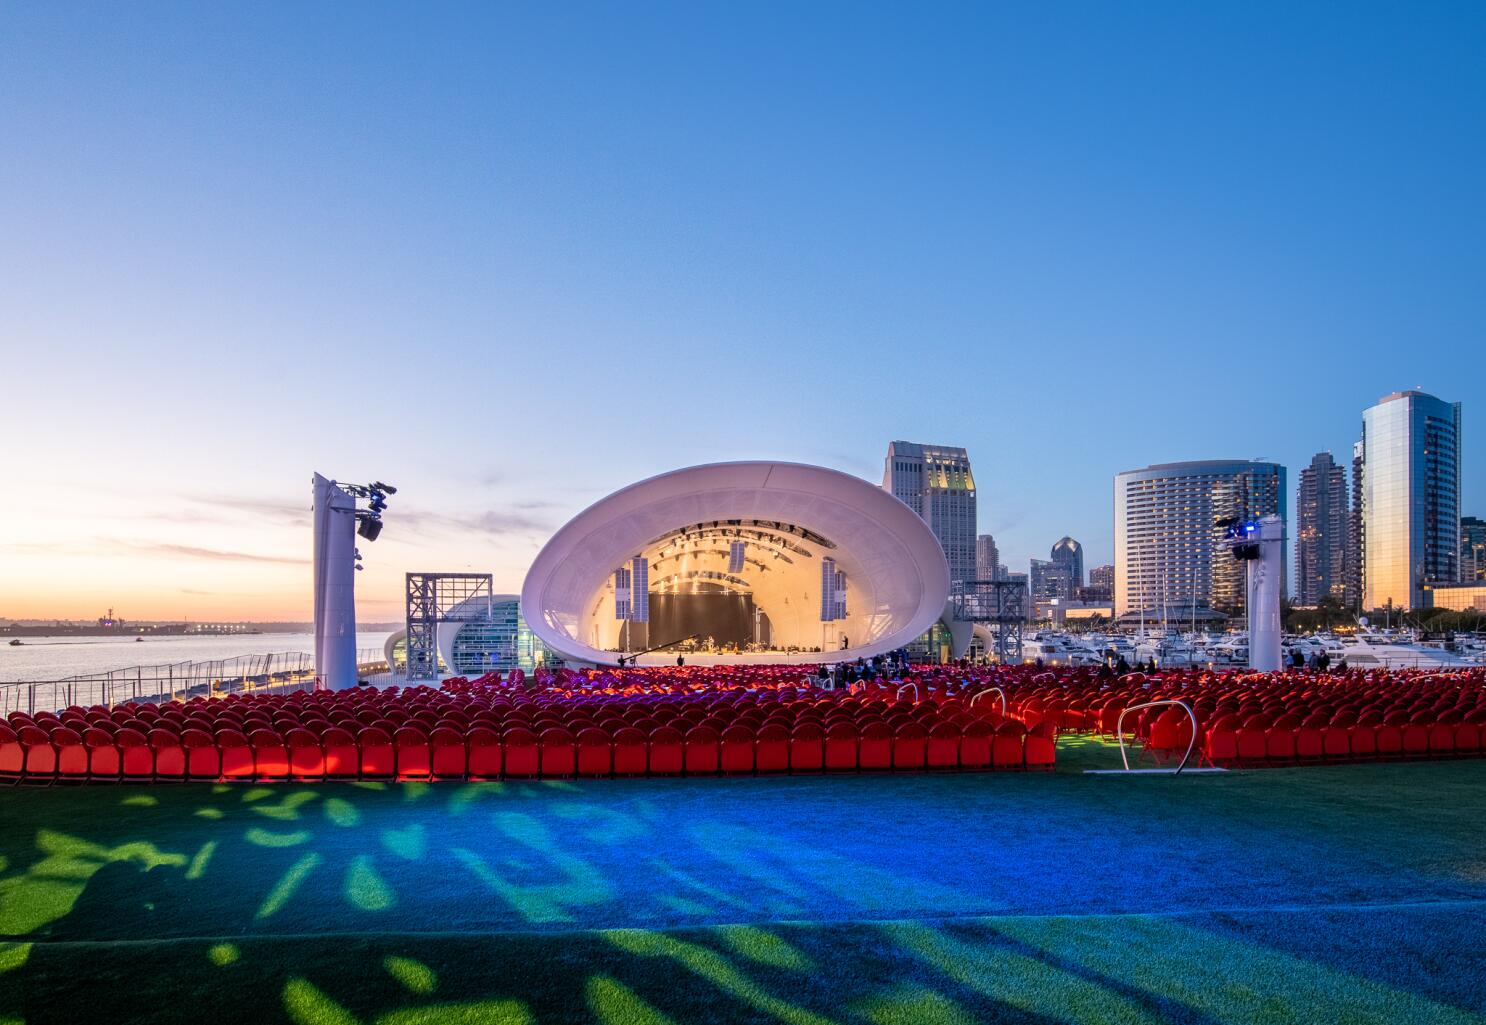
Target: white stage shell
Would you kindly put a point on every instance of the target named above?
(897, 577)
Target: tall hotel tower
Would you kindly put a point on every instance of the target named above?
(1323, 536)
(935, 482)
(1169, 552)
(1410, 498)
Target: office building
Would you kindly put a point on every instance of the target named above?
(1170, 552)
(1410, 498)
(1049, 581)
(987, 558)
(1070, 554)
(1472, 549)
(1323, 527)
(935, 481)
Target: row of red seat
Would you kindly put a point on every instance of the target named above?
(323, 751)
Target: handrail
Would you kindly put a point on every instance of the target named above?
(1120, 730)
(905, 687)
(991, 690)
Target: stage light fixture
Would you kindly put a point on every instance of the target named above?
(369, 528)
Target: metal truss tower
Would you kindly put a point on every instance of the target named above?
(1000, 605)
(434, 598)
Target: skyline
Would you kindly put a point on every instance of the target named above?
(538, 266)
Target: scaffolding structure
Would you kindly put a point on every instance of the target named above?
(999, 605)
(434, 598)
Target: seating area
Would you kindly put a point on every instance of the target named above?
(1250, 719)
(487, 730)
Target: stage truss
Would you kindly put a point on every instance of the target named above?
(999, 605)
(434, 598)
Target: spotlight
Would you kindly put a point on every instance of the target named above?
(384, 487)
(369, 528)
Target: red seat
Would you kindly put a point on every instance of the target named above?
(943, 750)
(1442, 738)
(203, 760)
(378, 756)
(666, 754)
(910, 746)
(104, 761)
(342, 756)
(1467, 737)
(738, 743)
(410, 747)
(449, 759)
(237, 754)
(306, 756)
(875, 747)
(484, 752)
(771, 749)
(975, 745)
(703, 749)
(72, 756)
(1006, 746)
(170, 757)
(1415, 739)
(1389, 740)
(624, 750)
(1040, 748)
(136, 758)
(520, 753)
(841, 741)
(270, 756)
(559, 752)
(807, 748)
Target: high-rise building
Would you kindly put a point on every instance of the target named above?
(1070, 554)
(935, 481)
(1410, 498)
(987, 558)
(1048, 580)
(1323, 527)
(1354, 538)
(1472, 549)
(1169, 550)
(1100, 587)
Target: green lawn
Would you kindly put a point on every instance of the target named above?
(1345, 894)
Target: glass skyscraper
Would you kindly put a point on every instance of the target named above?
(1169, 551)
(1410, 498)
(1070, 554)
(1323, 546)
(935, 481)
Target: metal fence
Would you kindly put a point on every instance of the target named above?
(276, 673)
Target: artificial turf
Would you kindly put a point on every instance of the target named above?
(1320, 894)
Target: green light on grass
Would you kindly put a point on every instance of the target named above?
(141, 801)
(287, 884)
(415, 976)
(477, 1012)
(716, 969)
(364, 888)
(267, 838)
(305, 1004)
(614, 1003)
(257, 794)
(209, 813)
(764, 947)
(198, 864)
(223, 954)
(410, 843)
(287, 810)
(13, 955)
(916, 1005)
(341, 812)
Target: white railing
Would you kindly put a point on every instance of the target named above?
(991, 690)
(905, 687)
(1120, 730)
(276, 673)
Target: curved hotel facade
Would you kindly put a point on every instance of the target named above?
(729, 562)
(1168, 552)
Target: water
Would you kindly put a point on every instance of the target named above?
(55, 658)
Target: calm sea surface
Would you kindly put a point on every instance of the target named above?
(54, 658)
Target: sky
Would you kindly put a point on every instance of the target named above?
(513, 257)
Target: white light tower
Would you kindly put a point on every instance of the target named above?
(335, 585)
(1264, 579)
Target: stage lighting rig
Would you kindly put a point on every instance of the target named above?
(369, 520)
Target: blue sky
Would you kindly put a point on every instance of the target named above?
(512, 257)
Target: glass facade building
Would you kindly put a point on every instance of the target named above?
(1069, 554)
(987, 558)
(1410, 498)
(501, 642)
(1169, 551)
(935, 481)
(1323, 545)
